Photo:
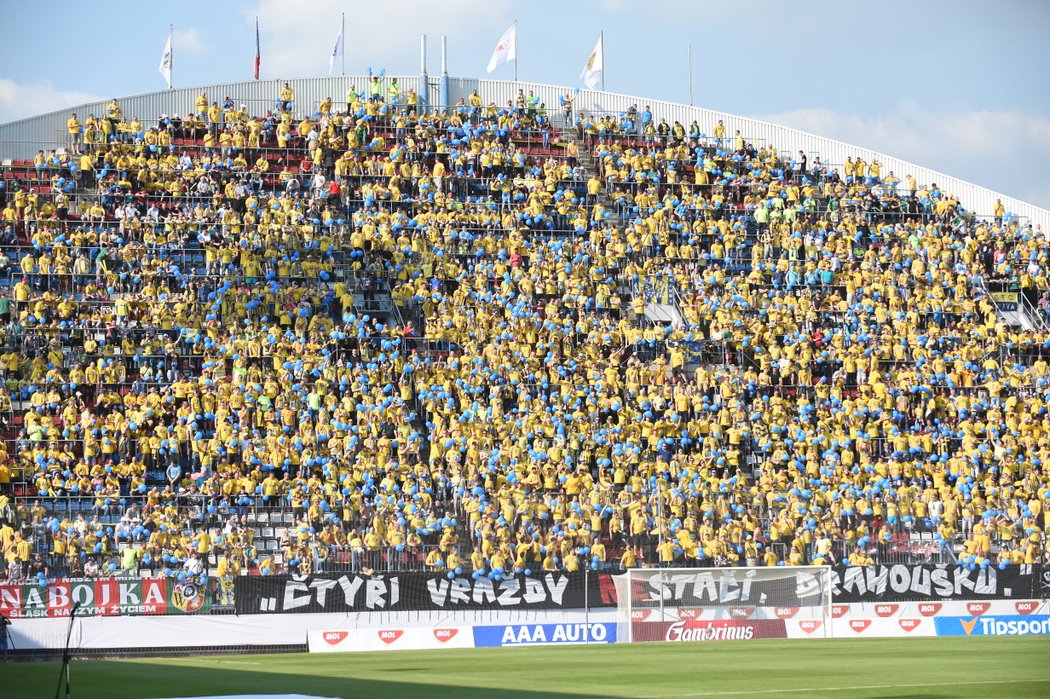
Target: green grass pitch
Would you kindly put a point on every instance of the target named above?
(926, 668)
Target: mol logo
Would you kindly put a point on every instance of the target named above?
(786, 612)
(1026, 608)
(809, 625)
(885, 610)
(977, 608)
(640, 614)
(388, 636)
(839, 610)
(334, 638)
(445, 635)
(741, 612)
(859, 625)
(909, 625)
(930, 608)
(690, 613)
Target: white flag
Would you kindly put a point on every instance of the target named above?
(337, 51)
(166, 61)
(506, 49)
(592, 72)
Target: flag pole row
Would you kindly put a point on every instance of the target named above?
(506, 51)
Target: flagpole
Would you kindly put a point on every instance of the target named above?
(515, 50)
(258, 56)
(690, 75)
(342, 33)
(601, 41)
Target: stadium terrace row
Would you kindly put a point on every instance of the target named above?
(372, 339)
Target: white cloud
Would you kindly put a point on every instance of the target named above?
(189, 41)
(18, 101)
(1006, 151)
(298, 40)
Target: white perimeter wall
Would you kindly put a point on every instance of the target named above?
(901, 619)
(97, 633)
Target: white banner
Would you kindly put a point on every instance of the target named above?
(410, 638)
(882, 627)
(858, 610)
(954, 608)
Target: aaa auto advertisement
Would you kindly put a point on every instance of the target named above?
(543, 634)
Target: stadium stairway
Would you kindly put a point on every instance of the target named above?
(1013, 306)
(662, 314)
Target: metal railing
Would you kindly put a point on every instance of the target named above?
(273, 529)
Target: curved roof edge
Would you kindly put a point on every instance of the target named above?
(22, 138)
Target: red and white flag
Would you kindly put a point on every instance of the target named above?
(506, 49)
(258, 57)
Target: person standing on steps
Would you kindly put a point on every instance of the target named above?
(566, 106)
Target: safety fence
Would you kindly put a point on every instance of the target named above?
(294, 530)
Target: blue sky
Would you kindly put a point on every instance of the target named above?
(955, 86)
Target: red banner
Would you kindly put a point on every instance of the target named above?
(103, 597)
(689, 630)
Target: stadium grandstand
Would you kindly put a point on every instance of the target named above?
(348, 324)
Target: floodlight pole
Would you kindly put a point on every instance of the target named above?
(690, 75)
(601, 41)
(443, 90)
(423, 94)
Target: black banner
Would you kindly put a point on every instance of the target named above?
(725, 586)
(351, 592)
(396, 592)
(917, 583)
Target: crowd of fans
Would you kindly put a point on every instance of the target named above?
(187, 358)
